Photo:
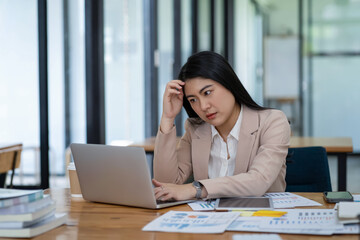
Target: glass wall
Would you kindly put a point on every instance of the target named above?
(124, 71)
(219, 27)
(185, 30)
(56, 89)
(245, 44)
(204, 36)
(19, 83)
(165, 26)
(186, 47)
(332, 69)
(75, 34)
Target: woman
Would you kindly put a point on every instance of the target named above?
(231, 146)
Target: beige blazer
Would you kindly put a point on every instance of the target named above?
(260, 160)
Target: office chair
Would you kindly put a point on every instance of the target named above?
(307, 170)
(9, 160)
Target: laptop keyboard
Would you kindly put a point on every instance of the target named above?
(167, 201)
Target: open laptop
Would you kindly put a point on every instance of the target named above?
(116, 175)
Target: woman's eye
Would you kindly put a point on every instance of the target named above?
(192, 100)
(207, 92)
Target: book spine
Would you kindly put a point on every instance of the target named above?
(23, 199)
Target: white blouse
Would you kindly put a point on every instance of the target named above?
(219, 164)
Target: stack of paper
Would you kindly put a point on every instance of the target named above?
(27, 213)
(290, 200)
(192, 222)
(349, 212)
(296, 221)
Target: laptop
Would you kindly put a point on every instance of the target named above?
(116, 175)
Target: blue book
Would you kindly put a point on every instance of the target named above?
(11, 197)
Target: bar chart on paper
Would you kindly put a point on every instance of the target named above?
(290, 200)
(304, 219)
(202, 205)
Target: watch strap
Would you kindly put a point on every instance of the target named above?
(198, 187)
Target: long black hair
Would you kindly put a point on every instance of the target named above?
(211, 65)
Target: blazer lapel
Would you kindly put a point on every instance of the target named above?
(249, 126)
(201, 151)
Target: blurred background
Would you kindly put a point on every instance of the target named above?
(95, 71)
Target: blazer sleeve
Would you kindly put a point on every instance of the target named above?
(172, 160)
(264, 169)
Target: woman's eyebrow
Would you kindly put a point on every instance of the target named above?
(205, 88)
(201, 90)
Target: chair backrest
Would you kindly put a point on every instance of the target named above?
(307, 170)
(9, 160)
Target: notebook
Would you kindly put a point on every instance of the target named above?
(116, 175)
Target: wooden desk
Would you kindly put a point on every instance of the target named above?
(334, 146)
(88, 220)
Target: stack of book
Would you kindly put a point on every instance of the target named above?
(27, 213)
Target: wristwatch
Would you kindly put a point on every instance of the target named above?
(198, 186)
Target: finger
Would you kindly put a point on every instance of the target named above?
(178, 81)
(157, 190)
(160, 194)
(174, 85)
(174, 91)
(156, 183)
(167, 197)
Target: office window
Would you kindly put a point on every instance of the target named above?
(75, 71)
(56, 98)
(332, 72)
(66, 82)
(19, 84)
(186, 36)
(165, 11)
(244, 45)
(185, 30)
(204, 22)
(219, 27)
(124, 71)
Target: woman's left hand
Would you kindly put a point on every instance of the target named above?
(169, 191)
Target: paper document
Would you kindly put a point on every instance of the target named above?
(202, 205)
(356, 197)
(192, 222)
(256, 237)
(253, 224)
(290, 200)
(305, 219)
(348, 229)
(296, 221)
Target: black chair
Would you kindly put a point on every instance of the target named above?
(307, 170)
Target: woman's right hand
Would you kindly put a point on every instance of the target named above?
(172, 104)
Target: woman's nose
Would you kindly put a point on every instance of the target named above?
(204, 105)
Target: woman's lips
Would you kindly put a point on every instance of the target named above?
(211, 116)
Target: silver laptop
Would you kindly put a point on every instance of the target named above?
(116, 175)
